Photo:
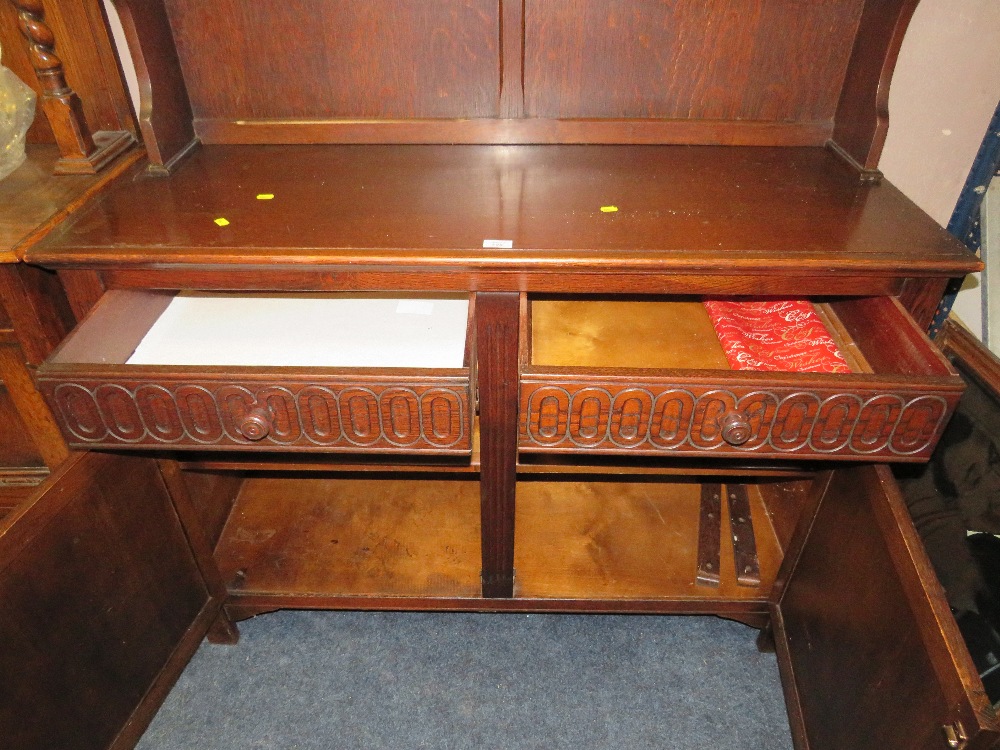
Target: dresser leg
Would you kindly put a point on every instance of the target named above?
(223, 631)
(497, 347)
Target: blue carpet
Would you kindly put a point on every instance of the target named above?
(453, 681)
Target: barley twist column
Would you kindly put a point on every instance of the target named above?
(80, 153)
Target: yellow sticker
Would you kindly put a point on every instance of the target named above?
(265, 196)
(222, 222)
(608, 209)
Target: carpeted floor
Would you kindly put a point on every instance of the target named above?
(308, 680)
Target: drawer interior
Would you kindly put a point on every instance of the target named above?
(875, 335)
(319, 373)
(368, 330)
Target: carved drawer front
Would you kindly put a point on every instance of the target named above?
(584, 387)
(103, 399)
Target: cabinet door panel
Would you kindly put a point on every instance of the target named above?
(870, 654)
(103, 604)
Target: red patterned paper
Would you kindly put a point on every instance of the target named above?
(774, 335)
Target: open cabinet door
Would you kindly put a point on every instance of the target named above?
(870, 654)
(102, 606)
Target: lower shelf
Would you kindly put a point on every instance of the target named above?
(353, 537)
(304, 541)
(613, 540)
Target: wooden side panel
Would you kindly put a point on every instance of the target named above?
(385, 59)
(164, 107)
(100, 594)
(16, 448)
(688, 59)
(870, 655)
(863, 110)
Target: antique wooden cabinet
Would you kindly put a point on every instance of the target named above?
(65, 53)
(569, 178)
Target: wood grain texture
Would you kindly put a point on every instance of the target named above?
(921, 298)
(89, 62)
(709, 531)
(525, 131)
(97, 558)
(685, 59)
(41, 431)
(391, 59)
(677, 414)
(82, 150)
(600, 382)
(321, 410)
(34, 200)
(164, 106)
(681, 210)
(83, 290)
(512, 59)
(497, 326)
(863, 111)
(37, 309)
(900, 668)
(741, 530)
(16, 448)
(319, 278)
(602, 540)
(352, 538)
(202, 545)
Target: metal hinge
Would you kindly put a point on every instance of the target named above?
(955, 734)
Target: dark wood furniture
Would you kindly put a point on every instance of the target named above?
(586, 170)
(66, 53)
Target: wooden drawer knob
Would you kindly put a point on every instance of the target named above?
(735, 428)
(256, 424)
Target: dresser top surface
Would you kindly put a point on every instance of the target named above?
(565, 207)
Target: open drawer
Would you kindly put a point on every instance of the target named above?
(274, 372)
(651, 377)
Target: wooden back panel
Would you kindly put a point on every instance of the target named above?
(688, 59)
(755, 72)
(339, 59)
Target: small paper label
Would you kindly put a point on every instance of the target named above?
(499, 244)
(415, 307)
(222, 222)
(609, 209)
(265, 196)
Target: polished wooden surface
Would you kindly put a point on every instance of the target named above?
(167, 132)
(497, 327)
(621, 383)
(696, 51)
(510, 71)
(613, 333)
(569, 532)
(431, 208)
(34, 200)
(863, 112)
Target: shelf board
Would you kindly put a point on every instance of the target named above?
(34, 200)
(431, 207)
(600, 540)
(308, 542)
(353, 538)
